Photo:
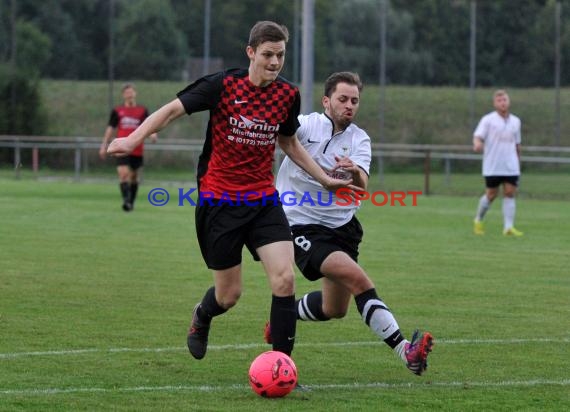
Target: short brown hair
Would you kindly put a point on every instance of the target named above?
(264, 31)
(341, 77)
(500, 92)
(127, 86)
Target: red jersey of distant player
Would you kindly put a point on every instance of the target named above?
(126, 119)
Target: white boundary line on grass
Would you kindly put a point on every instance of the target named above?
(208, 388)
(11, 355)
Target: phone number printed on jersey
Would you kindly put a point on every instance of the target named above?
(252, 142)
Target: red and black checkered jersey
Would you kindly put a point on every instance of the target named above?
(245, 121)
(126, 119)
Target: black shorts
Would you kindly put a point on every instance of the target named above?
(134, 162)
(492, 182)
(224, 229)
(314, 243)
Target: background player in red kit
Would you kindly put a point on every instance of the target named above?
(124, 120)
(250, 110)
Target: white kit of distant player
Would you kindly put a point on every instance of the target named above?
(498, 135)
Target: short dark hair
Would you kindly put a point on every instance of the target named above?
(264, 31)
(128, 86)
(342, 77)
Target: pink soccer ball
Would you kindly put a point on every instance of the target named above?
(272, 374)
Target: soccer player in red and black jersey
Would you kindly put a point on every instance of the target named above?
(250, 110)
(124, 120)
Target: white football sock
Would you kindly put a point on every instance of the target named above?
(382, 322)
(484, 205)
(509, 210)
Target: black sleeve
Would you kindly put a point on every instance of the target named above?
(114, 119)
(290, 126)
(203, 94)
(145, 115)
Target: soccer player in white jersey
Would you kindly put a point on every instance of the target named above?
(327, 236)
(498, 135)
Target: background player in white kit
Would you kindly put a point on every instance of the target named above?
(498, 135)
(326, 238)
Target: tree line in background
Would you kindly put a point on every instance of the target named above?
(427, 40)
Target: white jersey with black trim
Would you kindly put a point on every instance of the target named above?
(305, 201)
(501, 137)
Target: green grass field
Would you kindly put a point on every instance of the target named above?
(95, 304)
(533, 184)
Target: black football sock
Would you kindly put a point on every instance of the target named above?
(310, 307)
(134, 190)
(283, 323)
(125, 191)
(209, 306)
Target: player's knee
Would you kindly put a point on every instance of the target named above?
(230, 299)
(283, 284)
(510, 193)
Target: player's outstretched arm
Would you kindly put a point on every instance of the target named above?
(152, 124)
(297, 153)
